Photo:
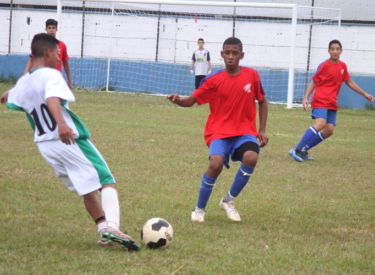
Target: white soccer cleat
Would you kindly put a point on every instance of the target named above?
(231, 210)
(197, 215)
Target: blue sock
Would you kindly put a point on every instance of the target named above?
(307, 136)
(240, 180)
(314, 141)
(205, 191)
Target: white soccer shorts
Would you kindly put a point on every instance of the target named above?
(79, 166)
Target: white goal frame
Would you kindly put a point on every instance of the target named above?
(293, 7)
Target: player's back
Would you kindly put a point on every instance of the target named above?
(30, 95)
(30, 90)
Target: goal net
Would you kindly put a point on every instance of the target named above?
(147, 46)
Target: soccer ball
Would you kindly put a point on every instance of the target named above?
(157, 233)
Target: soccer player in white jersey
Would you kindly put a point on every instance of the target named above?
(62, 139)
(201, 62)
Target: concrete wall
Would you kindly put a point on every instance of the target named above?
(160, 77)
(131, 42)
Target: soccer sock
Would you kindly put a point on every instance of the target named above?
(101, 226)
(314, 141)
(307, 136)
(240, 180)
(111, 207)
(205, 191)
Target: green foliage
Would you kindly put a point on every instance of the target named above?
(103, 87)
(297, 218)
(11, 79)
(369, 106)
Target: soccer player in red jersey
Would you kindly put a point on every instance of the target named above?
(231, 126)
(327, 83)
(51, 29)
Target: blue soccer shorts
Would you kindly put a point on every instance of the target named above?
(226, 147)
(328, 115)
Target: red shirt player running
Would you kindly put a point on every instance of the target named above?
(231, 126)
(327, 83)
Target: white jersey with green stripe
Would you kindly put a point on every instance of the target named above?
(30, 95)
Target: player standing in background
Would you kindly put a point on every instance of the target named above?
(62, 139)
(327, 83)
(51, 29)
(231, 126)
(201, 62)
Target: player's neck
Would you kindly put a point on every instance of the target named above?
(233, 71)
(201, 49)
(335, 61)
(39, 63)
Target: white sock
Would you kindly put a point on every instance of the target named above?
(111, 207)
(101, 226)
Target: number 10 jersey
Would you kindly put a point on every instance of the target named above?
(30, 95)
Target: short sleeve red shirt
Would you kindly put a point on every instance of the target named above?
(63, 55)
(232, 103)
(329, 78)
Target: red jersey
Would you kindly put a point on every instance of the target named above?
(63, 55)
(328, 77)
(232, 103)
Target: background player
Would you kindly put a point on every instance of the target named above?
(327, 83)
(62, 139)
(51, 29)
(201, 62)
(231, 126)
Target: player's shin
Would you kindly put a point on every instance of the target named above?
(205, 191)
(111, 207)
(240, 180)
(307, 136)
(314, 141)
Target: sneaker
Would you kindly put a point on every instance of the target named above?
(197, 215)
(115, 235)
(305, 155)
(103, 242)
(231, 210)
(295, 154)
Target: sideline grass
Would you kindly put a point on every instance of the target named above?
(298, 218)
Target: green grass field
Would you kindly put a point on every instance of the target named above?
(297, 218)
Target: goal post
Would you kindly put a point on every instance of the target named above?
(147, 45)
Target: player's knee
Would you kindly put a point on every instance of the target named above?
(320, 124)
(215, 166)
(250, 158)
(248, 153)
(327, 133)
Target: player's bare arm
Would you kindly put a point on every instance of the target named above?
(65, 132)
(352, 85)
(263, 114)
(67, 72)
(187, 101)
(309, 90)
(4, 97)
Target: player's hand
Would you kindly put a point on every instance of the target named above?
(263, 138)
(369, 98)
(66, 134)
(191, 72)
(69, 84)
(174, 98)
(4, 97)
(305, 104)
